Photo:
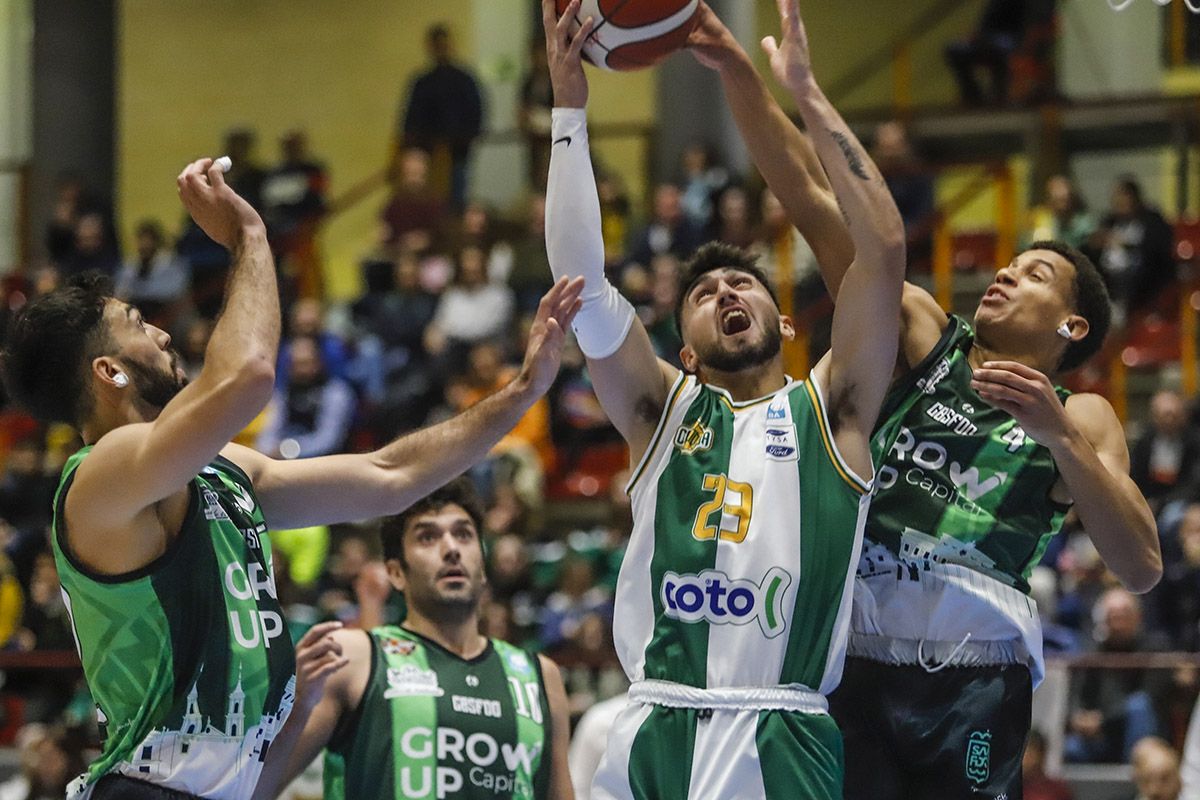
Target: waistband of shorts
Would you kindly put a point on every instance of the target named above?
(928, 653)
(761, 698)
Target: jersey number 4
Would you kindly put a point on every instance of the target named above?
(732, 501)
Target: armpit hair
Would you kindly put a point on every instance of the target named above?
(842, 407)
(647, 410)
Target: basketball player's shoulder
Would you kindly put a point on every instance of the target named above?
(922, 323)
(1095, 418)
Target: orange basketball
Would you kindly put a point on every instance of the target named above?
(631, 34)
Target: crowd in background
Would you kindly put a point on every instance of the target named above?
(449, 289)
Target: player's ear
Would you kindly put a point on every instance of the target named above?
(1078, 326)
(787, 328)
(687, 357)
(395, 574)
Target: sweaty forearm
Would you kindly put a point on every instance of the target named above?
(248, 328)
(1113, 512)
(867, 206)
(787, 161)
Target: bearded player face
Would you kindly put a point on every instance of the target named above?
(442, 575)
(145, 353)
(730, 323)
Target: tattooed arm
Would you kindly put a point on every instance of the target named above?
(866, 321)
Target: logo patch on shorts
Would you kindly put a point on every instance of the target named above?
(979, 756)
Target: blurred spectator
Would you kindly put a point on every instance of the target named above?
(306, 318)
(293, 203)
(26, 487)
(590, 740)
(530, 276)
(998, 34)
(910, 183)
(1063, 216)
(195, 342)
(1038, 785)
(395, 370)
(72, 202)
(471, 310)
(1135, 244)
(1164, 460)
(336, 589)
(668, 231)
(46, 624)
(1155, 770)
(1112, 709)
(312, 413)
(93, 249)
(702, 180)
(734, 222)
(476, 228)
(156, 280)
(50, 758)
(537, 100)
(1189, 771)
(1057, 639)
(487, 374)
(1177, 597)
(415, 214)
(614, 216)
(245, 175)
(445, 112)
(577, 597)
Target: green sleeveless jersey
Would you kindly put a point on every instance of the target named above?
(747, 529)
(959, 481)
(187, 659)
(433, 725)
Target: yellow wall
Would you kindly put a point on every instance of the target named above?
(190, 69)
(843, 34)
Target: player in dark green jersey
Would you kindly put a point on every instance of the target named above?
(161, 525)
(433, 709)
(979, 456)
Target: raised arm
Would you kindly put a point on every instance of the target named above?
(866, 319)
(630, 381)
(340, 488)
(157, 459)
(783, 154)
(1088, 444)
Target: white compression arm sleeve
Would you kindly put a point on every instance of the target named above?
(573, 239)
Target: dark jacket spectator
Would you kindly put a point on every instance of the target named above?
(415, 214)
(1135, 244)
(312, 415)
(156, 280)
(669, 230)
(1164, 459)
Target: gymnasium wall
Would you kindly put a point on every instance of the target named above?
(190, 69)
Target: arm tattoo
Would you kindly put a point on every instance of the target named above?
(853, 158)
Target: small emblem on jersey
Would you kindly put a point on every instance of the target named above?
(929, 383)
(476, 706)
(968, 408)
(781, 443)
(212, 506)
(979, 755)
(694, 438)
(472, 681)
(777, 411)
(517, 661)
(715, 598)
(242, 498)
(395, 646)
(409, 680)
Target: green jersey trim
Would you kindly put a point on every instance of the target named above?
(813, 390)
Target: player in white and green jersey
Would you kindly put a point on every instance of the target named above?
(432, 709)
(979, 457)
(750, 489)
(161, 524)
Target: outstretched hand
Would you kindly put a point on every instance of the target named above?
(565, 54)
(710, 41)
(544, 352)
(791, 60)
(1027, 395)
(217, 209)
(318, 655)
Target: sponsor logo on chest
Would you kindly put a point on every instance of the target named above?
(410, 680)
(940, 412)
(713, 597)
(694, 438)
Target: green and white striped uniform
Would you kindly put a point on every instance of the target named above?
(962, 514)
(188, 659)
(733, 602)
(433, 725)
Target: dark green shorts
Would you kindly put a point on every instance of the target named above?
(913, 735)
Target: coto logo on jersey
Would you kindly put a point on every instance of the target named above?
(715, 598)
(694, 438)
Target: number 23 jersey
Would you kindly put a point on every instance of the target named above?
(747, 528)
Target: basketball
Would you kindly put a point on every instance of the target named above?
(632, 34)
